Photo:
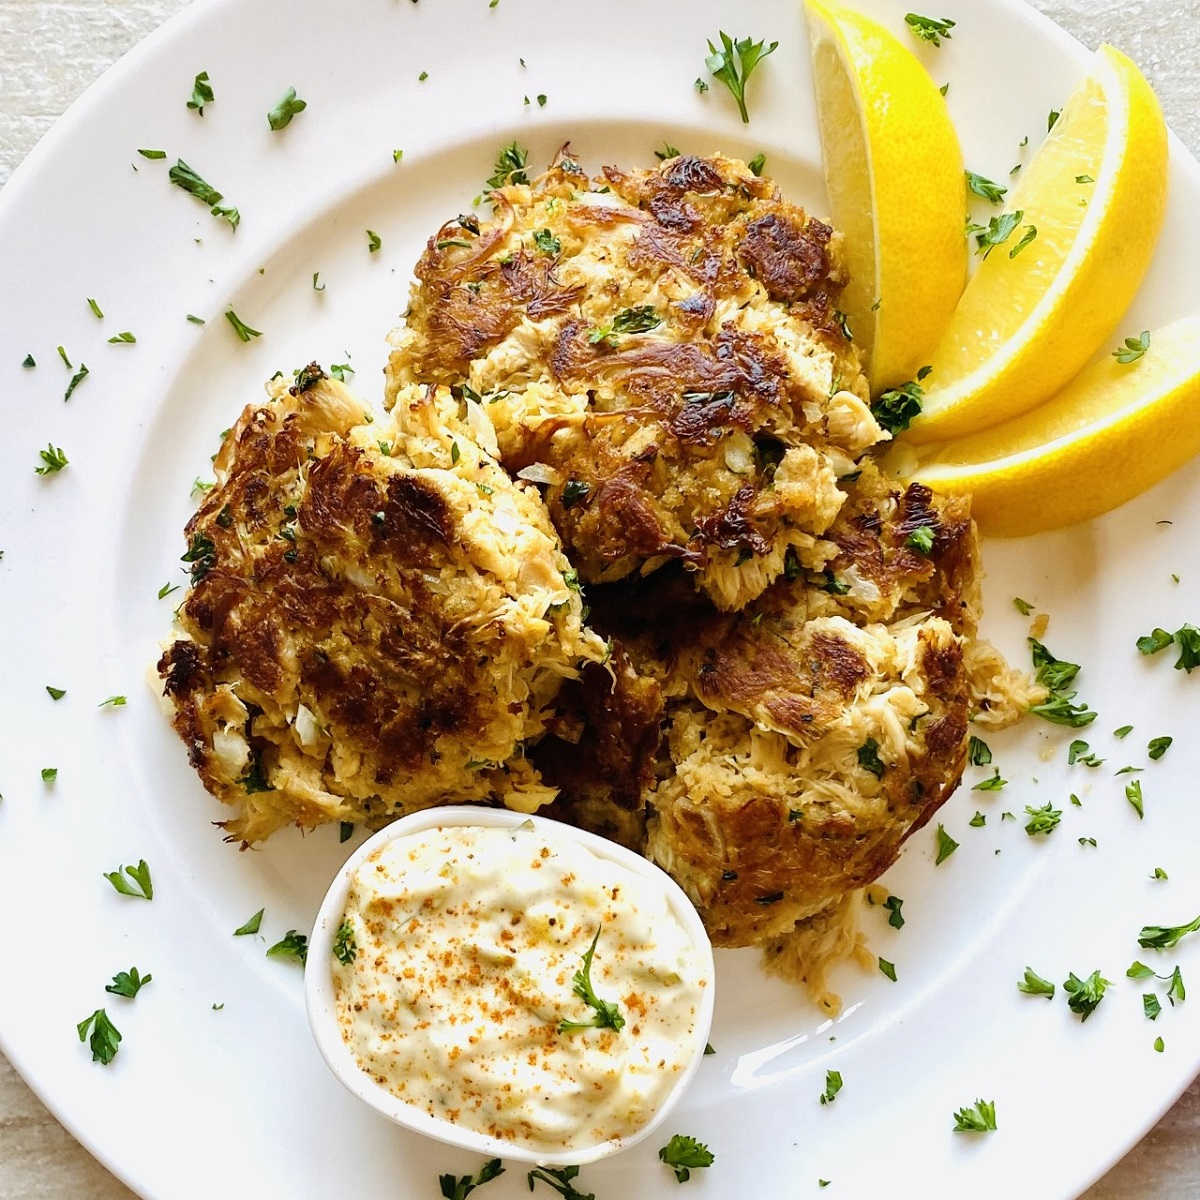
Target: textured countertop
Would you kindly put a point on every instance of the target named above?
(50, 50)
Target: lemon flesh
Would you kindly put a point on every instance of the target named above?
(1032, 317)
(894, 173)
(1114, 431)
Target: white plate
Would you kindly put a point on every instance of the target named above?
(201, 1101)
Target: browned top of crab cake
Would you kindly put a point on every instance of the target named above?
(377, 619)
(662, 347)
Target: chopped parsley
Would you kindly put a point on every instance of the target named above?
(896, 408)
(292, 945)
(340, 370)
(997, 231)
(757, 163)
(833, 1085)
(195, 320)
(683, 1154)
(668, 151)
(1027, 237)
(1158, 747)
(994, 784)
(113, 702)
(1133, 793)
(251, 926)
(105, 1037)
(574, 492)
(345, 948)
(1176, 993)
(1164, 937)
(1158, 873)
(929, 29)
(893, 904)
(244, 331)
(1084, 995)
(1042, 820)
(128, 983)
(202, 554)
(424, 75)
(461, 1186)
(733, 64)
(1080, 752)
(183, 176)
(345, 831)
(1056, 676)
(123, 338)
(641, 318)
(1022, 606)
(63, 355)
(921, 540)
(55, 693)
(397, 156)
(1151, 1006)
(1034, 985)
(202, 93)
(76, 380)
(132, 881)
(53, 460)
(280, 117)
(49, 774)
(1133, 348)
(374, 241)
(889, 969)
(981, 186)
(509, 167)
(559, 1178)
(546, 242)
(28, 361)
(869, 760)
(1153, 642)
(95, 308)
(607, 1015)
(946, 845)
(978, 821)
(979, 1118)
(1123, 732)
(153, 154)
(1052, 118)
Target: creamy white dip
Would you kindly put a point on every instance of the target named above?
(462, 946)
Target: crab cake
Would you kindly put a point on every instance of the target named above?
(378, 617)
(662, 349)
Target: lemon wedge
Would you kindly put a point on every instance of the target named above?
(1115, 430)
(894, 172)
(1042, 303)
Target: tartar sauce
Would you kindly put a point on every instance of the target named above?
(461, 947)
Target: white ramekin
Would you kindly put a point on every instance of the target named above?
(322, 1013)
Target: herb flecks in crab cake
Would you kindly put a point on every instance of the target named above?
(379, 616)
(663, 348)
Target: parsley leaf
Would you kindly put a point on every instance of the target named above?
(559, 1178)
(984, 187)
(202, 93)
(1084, 995)
(76, 380)
(929, 29)
(251, 926)
(1152, 643)
(668, 151)
(153, 154)
(1034, 985)
(684, 1154)
(756, 164)
(734, 63)
(896, 408)
(291, 945)
(509, 167)
(460, 1187)
(280, 117)
(1042, 820)
(53, 460)
(1123, 732)
(994, 784)
(1151, 1006)
(183, 176)
(1133, 349)
(575, 491)
(546, 242)
(1056, 676)
(833, 1085)
(49, 774)
(946, 845)
(28, 361)
(1176, 993)
(921, 540)
(140, 875)
(345, 948)
(978, 821)
(641, 318)
(55, 693)
(128, 983)
(1158, 747)
(1187, 641)
(869, 760)
(95, 308)
(125, 338)
(1022, 606)
(1133, 793)
(607, 1014)
(1080, 752)
(105, 1036)
(979, 753)
(1163, 937)
(201, 553)
(979, 1118)
(997, 231)
(889, 969)
(893, 904)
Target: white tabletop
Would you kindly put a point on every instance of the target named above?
(50, 50)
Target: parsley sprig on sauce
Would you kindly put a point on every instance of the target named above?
(734, 61)
(607, 1015)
